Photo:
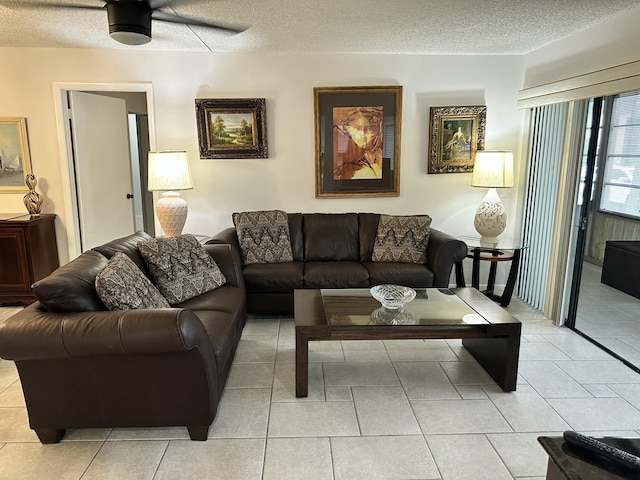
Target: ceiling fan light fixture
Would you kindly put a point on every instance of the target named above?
(128, 23)
(129, 38)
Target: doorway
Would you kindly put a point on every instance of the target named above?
(608, 211)
(80, 206)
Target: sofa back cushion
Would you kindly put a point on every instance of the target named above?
(297, 236)
(129, 246)
(71, 288)
(331, 237)
(368, 230)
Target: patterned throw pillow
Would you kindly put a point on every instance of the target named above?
(122, 286)
(180, 267)
(263, 236)
(402, 239)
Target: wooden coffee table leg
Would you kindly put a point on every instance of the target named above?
(302, 363)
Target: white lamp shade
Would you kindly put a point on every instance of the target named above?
(169, 171)
(493, 169)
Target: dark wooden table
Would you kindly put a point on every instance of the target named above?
(567, 462)
(494, 340)
(504, 250)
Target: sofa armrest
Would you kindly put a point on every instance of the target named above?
(443, 251)
(229, 261)
(34, 333)
(227, 236)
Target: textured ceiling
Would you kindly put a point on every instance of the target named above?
(476, 27)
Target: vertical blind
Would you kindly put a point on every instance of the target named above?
(544, 160)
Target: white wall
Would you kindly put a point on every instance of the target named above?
(613, 42)
(286, 179)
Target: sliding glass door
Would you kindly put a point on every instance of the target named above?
(605, 291)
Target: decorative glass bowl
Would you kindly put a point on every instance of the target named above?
(393, 296)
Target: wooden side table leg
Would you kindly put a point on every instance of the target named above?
(460, 283)
(475, 274)
(491, 282)
(511, 279)
(302, 364)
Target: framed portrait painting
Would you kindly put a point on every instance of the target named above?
(232, 127)
(455, 134)
(15, 162)
(357, 141)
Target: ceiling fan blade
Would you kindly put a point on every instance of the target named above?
(168, 17)
(159, 3)
(74, 6)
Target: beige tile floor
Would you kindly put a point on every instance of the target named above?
(418, 410)
(609, 316)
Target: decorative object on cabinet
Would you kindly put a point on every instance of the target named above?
(169, 171)
(357, 141)
(32, 200)
(232, 127)
(28, 252)
(15, 162)
(492, 169)
(455, 134)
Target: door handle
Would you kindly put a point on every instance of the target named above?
(129, 195)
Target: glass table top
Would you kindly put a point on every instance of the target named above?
(505, 243)
(432, 306)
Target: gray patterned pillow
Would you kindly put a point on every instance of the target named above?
(402, 239)
(180, 267)
(121, 285)
(263, 236)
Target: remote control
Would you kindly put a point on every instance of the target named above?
(610, 452)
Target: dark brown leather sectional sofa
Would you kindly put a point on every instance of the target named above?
(334, 250)
(82, 366)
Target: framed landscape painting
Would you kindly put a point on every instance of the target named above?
(357, 141)
(15, 162)
(232, 127)
(455, 134)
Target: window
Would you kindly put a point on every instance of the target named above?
(620, 191)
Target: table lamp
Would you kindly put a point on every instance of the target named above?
(168, 172)
(492, 169)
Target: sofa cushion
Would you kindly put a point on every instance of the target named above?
(408, 274)
(180, 267)
(402, 239)
(129, 246)
(335, 275)
(331, 237)
(263, 236)
(71, 288)
(274, 277)
(121, 285)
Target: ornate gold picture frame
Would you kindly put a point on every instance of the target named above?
(455, 134)
(232, 127)
(357, 141)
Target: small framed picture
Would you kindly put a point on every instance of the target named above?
(357, 141)
(15, 162)
(232, 127)
(455, 134)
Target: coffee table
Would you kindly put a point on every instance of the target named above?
(488, 332)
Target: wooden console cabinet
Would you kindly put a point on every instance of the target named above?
(28, 252)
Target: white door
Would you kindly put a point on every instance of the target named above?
(102, 167)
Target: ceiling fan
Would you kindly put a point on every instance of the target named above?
(130, 20)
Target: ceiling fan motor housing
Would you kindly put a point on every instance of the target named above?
(129, 21)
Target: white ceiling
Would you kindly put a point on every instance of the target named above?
(475, 27)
